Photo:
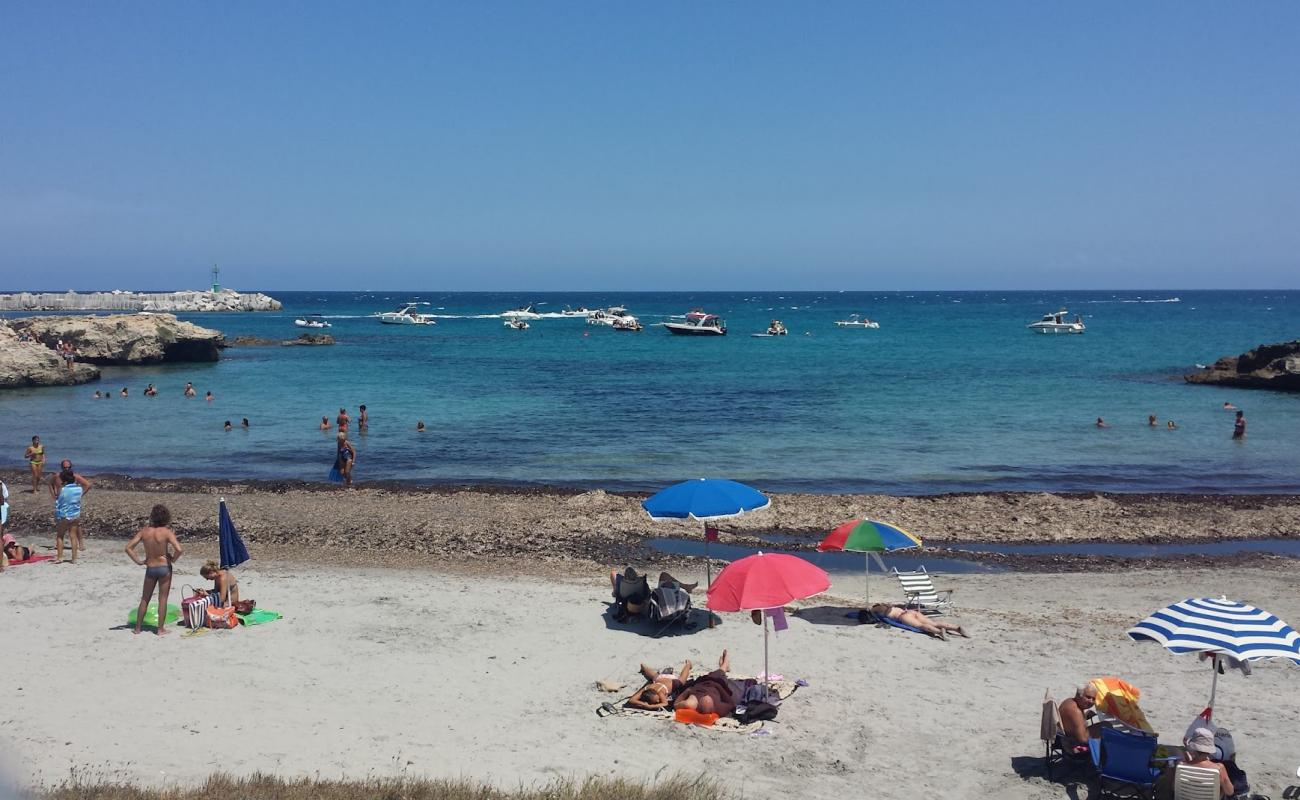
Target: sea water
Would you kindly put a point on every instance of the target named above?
(951, 393)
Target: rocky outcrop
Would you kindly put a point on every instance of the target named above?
(30, 363)
(303, 339)
(118, 300)
(310, 339)
(1269, 366)
(125, 339)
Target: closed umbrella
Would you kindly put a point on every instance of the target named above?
(705, 499)
(868, 536)
(764, 581)
(233, 552)
(1220, 628)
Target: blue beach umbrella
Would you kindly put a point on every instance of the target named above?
(1220, 628)
(705, 499)
(233, 552)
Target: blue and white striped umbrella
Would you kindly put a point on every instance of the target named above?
(1220, 627)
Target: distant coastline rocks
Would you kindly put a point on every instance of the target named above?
(123, 339)
(189, 301)
(1269, 366)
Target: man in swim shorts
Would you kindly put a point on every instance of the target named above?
(160, 550)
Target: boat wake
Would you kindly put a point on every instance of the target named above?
(1139, 300)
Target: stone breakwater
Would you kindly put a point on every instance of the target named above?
(118, 300)
(29, 354)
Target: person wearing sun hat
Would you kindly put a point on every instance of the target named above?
(1200, 748)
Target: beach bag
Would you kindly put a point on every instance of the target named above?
(755, 712)
(222, 618)
(194, 607)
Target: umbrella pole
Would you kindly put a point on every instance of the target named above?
(767, 675)
(867, 558)
(1214, 682)
(708, 565)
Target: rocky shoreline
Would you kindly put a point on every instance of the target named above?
(30, 354)
(397, 524)
(1269, 366)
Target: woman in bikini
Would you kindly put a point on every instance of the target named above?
(910, 616)
(224, 584)
(14, 552)
(35, 456)
(344, 458)
(661, 687)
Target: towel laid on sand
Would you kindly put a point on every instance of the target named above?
(259, 616)
(34, 559)
(783, 690)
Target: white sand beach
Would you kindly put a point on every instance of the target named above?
(385, 671)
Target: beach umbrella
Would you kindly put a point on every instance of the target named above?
(867, 536)
(765, 581)
(705, 499)
(233, 552)
(1221, 629)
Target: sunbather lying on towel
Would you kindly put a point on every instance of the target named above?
(661, 687)
(14, 551)
(713, 693)
(910, 616)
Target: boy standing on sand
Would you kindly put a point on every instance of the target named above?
(160, 550)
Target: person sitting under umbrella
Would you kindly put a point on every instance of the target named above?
(1073, 712)
(910, 616)
(1200, 749)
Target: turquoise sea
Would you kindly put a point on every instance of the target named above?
(952, 393)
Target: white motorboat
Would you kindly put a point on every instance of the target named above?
(608, 316)
(628, 323)
(311, 321)
(580, 311)
(698, 323)
(855, 321)
(1058, 323)
(776, 328)
(523, 312)
(406, 315)
(517, 324)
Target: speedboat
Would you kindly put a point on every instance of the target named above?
(580, 311)
(855, 321)
(406, 315)
(517, 324)
(523, 312)
(311, 321)
(698, 323)
(776, 328)
(1057, 323)
(627, 323)
(608, 316)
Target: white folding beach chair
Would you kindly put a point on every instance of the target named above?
(919, 592)
(1196, 783)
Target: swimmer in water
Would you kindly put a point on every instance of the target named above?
(419, 426)
(324, 423)
(189, 390)
(228, 426)
(244, 424)
(1151, 421)
(123, 393)
(1171, 426)
(209, 397)
(1101, 423)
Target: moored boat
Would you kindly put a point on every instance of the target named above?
(517, 324)
(698, 323)
(1057, 323)
(311, 321)
(856, 321)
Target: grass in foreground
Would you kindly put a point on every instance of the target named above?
(265, 787)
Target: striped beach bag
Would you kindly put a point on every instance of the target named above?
(194, 608)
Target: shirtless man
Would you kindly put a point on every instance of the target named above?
(1072, 719)
(160, 550)
(363, 418)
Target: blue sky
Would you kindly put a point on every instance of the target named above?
(605, 145)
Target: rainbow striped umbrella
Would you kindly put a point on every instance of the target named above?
(868, 536)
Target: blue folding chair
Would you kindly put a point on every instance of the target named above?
(1125, 767)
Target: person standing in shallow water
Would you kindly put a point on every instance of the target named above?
(342, 420)
(363, 419)
(344, 458)
(1239, 427)
(160, 550)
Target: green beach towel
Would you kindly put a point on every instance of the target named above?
(151, 615)
(258, 616)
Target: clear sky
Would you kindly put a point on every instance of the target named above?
(655, 145)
